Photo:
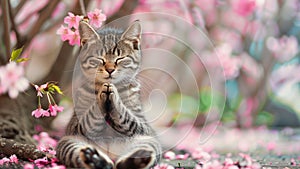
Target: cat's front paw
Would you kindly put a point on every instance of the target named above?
(90, 158)
(108, 96)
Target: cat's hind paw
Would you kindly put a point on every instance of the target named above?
(90, 158)
(140, 159)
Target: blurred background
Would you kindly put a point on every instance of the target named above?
(206, 63)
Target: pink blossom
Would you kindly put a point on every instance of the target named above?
(182, 156)
(53, 152)
(4, 160)
(64, 33)
(229, 63)
(163, 166)
(199, 154)
(212, 165)
(244, 7)
(72, 20)
(74, 38)
(228, 162)
(45, 142)
(41, 161)
(96, 18)
(39, 89)
(29, 166)
(39, 112)
(13, 159)
(12, 79)
(283, 49)
(271, 146)
(54, 109)
(169, 155)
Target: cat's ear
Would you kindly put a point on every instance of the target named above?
(86, 32)
(133, 34)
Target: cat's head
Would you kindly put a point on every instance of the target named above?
(110, 55)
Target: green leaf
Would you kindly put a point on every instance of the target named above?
(52, 88)
(57, 89)
(184, 104)
(209, 99)
(264, 118)
(16, 54)
(22, 60)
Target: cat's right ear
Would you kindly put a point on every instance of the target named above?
(86, 32)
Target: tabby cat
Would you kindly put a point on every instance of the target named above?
(111, 131)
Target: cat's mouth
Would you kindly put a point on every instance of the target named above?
(109, 77)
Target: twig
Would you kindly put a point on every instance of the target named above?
(127, 8)
(82, 7)
(5, 11)
(45, 14)
(14, 27)
(20, 5)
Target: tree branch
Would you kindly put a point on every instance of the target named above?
(19, 7)
(5, 11)
(13, 27)
(127, 8)
(45, 14)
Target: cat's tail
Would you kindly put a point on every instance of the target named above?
(9, 147)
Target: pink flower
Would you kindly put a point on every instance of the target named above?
(4, 160)
(45, 142)
(74, 38)
(212, 165)
(12, 79)
(229, 63)
(244, 7)
(64, 33)
(199, 154)
(28, 166)
(41, 161)
(169, 155)
(283, 49)
(271, 146)
(53, 152)
(13, 159)
(96, 18)
(182, 156)
(54, 109)
(163, 166)
(39, 112)
(39, 89)
(72, 20)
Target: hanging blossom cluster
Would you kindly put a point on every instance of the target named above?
(12, 76)
(71, 33)
(47, 89)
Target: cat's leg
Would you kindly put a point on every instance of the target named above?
(143, 153)
(75, 151)
(118, 116)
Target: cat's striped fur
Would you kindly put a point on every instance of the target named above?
(108, 123)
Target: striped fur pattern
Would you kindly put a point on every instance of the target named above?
(108, 128)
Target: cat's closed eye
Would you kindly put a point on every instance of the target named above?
(123, 61)
(95, 62)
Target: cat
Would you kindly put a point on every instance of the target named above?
(108, 128)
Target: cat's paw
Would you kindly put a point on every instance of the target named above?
(108, 92)
(90, 158)
(140, 159)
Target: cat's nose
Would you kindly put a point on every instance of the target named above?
(110, 70)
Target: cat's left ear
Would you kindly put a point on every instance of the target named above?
(133, 34)
(86, 32)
